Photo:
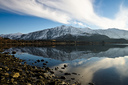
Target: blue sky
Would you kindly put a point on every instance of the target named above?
(32, 15)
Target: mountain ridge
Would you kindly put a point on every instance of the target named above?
(64, 31)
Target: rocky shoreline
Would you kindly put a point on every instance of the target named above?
(13, 71)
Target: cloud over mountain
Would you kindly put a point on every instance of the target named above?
(67, 12)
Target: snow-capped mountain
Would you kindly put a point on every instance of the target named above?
(11, 36)
(69, 32)
(114, 33)
(54, 33)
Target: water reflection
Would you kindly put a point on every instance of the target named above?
(65, 53)
(102, 71)
(103, 65)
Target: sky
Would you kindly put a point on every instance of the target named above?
(26, 16)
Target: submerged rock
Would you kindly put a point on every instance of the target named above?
(38, 60)
(44, 64)
(65, 65)
(52, 72)
(13, 52)
(73, 78)
(67, 73)
(62, 67)
(56, 68)
(62, 77)
(42, 60)
(74, 73)
(91, 83)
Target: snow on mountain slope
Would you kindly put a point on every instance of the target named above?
(11, 36)
(114, 33)
(61, 31)
(54, 33)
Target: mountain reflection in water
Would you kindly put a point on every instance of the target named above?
(103, 65)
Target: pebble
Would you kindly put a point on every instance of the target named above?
(15, 75)
(24, 74)
(6, 74)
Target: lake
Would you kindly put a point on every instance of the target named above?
(101, 65)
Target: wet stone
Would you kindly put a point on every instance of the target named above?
(38, 60)
(2, 77)
(67, 73)
(18, 70)
(28, 84)
(45, 75)
(0, 68)
(6, 53)
(62, 67)
(91, 83)
(34, 67)
(65, 65)
(74, 73)
(73, 84)
(62, 77)
(48, 68)
(42, 60)
(73, 78)
(15, 83)
(51, 72)
(40, 82)
(56, 68)
(12, 80)
(13, 52)
(15, 75)
(5, 67)
(61, 71)
(44, 64)
(6, 74)
(52, 75)
(40, 77)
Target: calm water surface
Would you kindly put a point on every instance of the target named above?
(102, 65)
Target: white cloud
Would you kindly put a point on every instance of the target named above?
(34, 8)
(66, 11)
(80, 24)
